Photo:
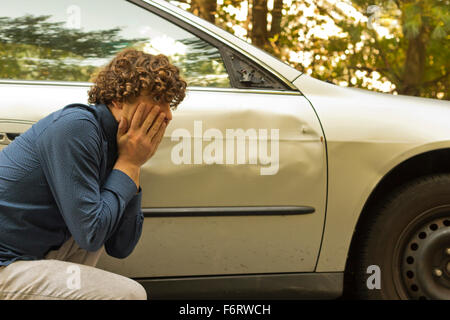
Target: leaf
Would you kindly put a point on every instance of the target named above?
(438, 33)
(412, 19)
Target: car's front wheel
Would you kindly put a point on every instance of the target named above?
(402, 249)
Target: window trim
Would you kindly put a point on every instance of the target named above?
(189, 88)
(223, 47)
(229, 55)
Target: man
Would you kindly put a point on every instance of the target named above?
(69, 186)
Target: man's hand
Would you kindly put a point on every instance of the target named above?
(138, 142)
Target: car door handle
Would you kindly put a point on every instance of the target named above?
(7, 137)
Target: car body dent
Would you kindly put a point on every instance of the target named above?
(213, 245)
(368, 134)
(226, 244)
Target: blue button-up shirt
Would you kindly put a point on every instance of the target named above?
(57, 181)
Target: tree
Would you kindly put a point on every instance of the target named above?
(32, 48)
(205, 9)
(259, 33)
(416, 55)
(396, 46)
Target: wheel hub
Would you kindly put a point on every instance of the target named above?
(425, 262)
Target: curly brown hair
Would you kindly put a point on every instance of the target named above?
(132, 73)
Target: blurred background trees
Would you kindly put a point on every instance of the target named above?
(395, 46)
(32, 48)
(36, 48)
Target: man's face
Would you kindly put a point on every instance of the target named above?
(128, 108)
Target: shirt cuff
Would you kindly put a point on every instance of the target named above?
(122, 185)
(134, 206)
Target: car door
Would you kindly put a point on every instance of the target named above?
(205, 217)
(238, 185)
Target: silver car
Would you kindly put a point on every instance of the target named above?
(268, 183)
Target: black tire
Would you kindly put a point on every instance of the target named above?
(408, 237)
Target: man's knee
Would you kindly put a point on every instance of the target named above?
(133, 290)
(54, 279)
(105, 285)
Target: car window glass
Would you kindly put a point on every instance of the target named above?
(69, 40)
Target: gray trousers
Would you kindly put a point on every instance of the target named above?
(68, 273)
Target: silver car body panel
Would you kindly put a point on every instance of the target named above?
(367, 135)
(207, 245)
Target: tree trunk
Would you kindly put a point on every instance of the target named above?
(259, 33)
(204, 9)
(275, 26)
(249, 19)
(414, 68)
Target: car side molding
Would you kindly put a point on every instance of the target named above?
(227, 211)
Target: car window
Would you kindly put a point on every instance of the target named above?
(69, 40)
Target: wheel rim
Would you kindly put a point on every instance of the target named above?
(421, 265)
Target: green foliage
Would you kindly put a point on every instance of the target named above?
(407, 50)
(202, 65)
(32, 48)
(412, 19)
(407, 47)
(415, 29)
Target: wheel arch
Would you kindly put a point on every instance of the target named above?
(427, 163)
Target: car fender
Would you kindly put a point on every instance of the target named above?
(367, 135)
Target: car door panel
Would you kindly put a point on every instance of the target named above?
(184, 233)
(236, 243)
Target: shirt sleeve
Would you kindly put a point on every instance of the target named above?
(70, 153)
(125, 238)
